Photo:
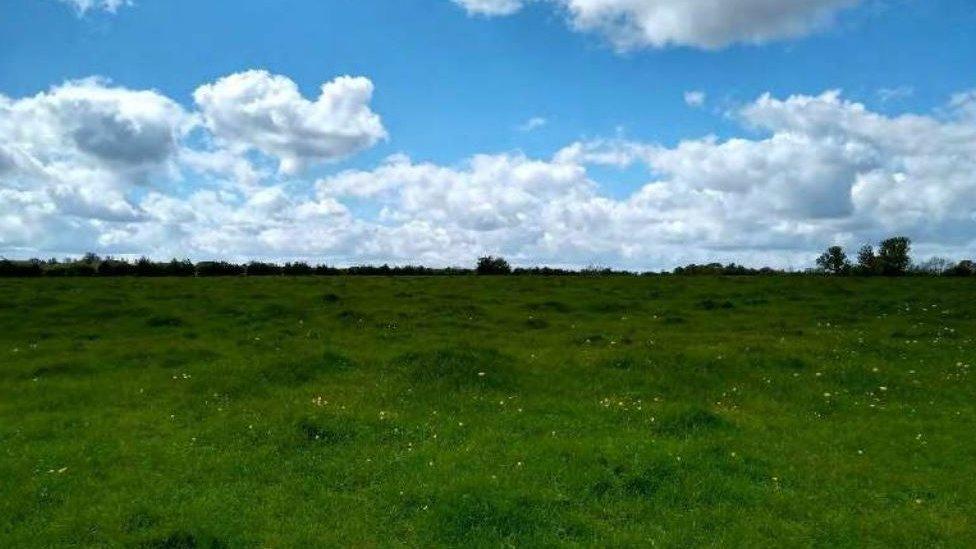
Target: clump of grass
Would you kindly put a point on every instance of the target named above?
(471, 518)
(275, 311)
(165, 322)
(651, 480)
(183, 540)
(459, 368)
(352, 317)
(333, 431)
(554, 306)
(608, 307)
(139, 521)
(625, 362)
(591, 339)
(334, 361)
(689, 422)
(711, 304)
(536, 324)
(180, 357)
(67, 369)
(297, 371)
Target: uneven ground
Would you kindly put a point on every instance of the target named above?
(487, 412)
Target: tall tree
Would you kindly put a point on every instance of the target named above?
(893, 258)
(834, 261)
(867, 262)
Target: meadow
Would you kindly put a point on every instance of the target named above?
(488, 411)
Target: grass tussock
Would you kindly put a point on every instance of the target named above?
(458, 368)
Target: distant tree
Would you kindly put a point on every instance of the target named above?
(257, 268)
(717, 269)
(491, 265)
(867, 261)
(963, 268)
(178, 267)
(297, 269)
(145, 267)
(834, 261)
(20, 269)
(220, 268)
(936, 266)
(893, 258)
(114, 267)
(326, 270)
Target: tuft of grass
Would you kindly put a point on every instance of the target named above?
(333, 431)
(689, 422)
(162, 321)
(536, 324)
(458, 368)
(183, 540)
(330, 298)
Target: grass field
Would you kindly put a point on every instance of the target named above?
(487, 412)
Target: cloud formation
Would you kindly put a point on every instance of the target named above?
(88, 166)
(265, 112)
(78, 160)
(707, 24)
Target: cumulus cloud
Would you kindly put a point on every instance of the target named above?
(708, 24)
(815, 170)
(265, 112)
(74, 149)
(92, 123)
(76, 161)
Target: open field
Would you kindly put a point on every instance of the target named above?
(487, 411)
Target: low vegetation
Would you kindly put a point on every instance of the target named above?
(487, 411)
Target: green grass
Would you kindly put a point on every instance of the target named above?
(487, 412)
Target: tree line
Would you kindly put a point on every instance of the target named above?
(892, 258)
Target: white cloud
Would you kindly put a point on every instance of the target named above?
(76, 161)
(255, 110)
(708, 24)
(111, 6)
(76, 149)
(491, 7)
(92, 123)
(887, 95)
(821, 170)
(695, 98)
(963, 105)
(533, 124)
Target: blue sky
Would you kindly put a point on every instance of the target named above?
(451, 83)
